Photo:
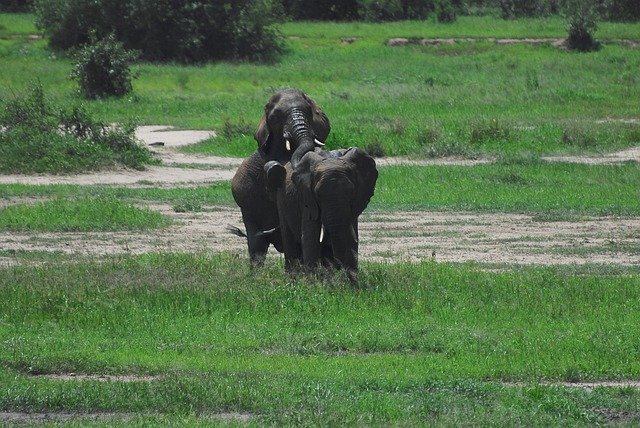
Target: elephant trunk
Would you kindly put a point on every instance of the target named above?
(299, 134)
(343, 233)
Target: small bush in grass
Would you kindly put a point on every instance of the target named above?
(582, 19)
(488, 131)
(578, 137)
(375, 149)
(37, 137)
(103, 69)
(237, 129)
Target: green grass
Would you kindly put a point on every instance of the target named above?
(428, 106)
(551, 191)
(556, 190)
(422, 343)
(79, 215)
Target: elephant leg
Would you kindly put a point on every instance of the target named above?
(257, 243)
(292, 249)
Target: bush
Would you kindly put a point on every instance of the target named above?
(623, 10)
(582, 24)
(447, 10)
(37, 138)
(380, 10)
(165, 30)
(512, 9)
(16, 6)
(103, 69)
(323, 10)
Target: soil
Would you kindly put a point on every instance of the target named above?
(448, 236)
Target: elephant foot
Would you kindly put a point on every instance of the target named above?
(275, 173)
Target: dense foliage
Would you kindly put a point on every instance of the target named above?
(16, 5)
(38, 137)
(191, 32)
(205, 30)
(103, 69)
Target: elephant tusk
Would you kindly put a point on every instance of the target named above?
(321, 233)
(319, 143)
(287, 144)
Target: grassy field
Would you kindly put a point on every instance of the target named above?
(468, 98)
(200, 339)
(201, 335)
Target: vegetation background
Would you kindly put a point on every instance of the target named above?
(200, 339)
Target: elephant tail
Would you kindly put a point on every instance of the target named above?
(236, 231)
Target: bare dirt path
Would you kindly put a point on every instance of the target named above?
(456, 237)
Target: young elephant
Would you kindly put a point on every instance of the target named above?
(319, 205)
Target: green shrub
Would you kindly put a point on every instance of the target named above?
(512, 9)
(447, 10)
(324, 10)
(102, 69)
(36, 137)
(393, 10)
(188, 32)
(623, 10)
(16, 5)
(582, 24)
(380, 10)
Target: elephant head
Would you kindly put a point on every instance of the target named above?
(325, 196)
(292, 125)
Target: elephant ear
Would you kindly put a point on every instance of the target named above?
(366, 175)
(302, 178)
(320, 121)
(263, 133)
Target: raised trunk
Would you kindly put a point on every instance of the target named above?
(299, 130)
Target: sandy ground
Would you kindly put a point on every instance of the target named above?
(447, 236)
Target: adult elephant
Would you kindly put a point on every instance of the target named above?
(292, 125)
(319, 204)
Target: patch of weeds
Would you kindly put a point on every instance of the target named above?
(520, 158)
(36, 136)
(240, 128)
(442, 149)
(554, 215)
(428, 136)
(375, 149)
(188, 205)
(533, 82)
(578, 137)
(488, 131)
(634, 135)
(510, 177)
(398, 127)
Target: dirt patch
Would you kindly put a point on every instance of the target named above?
(411, 236)
(97, 377)
(39, 418)
(589, 386)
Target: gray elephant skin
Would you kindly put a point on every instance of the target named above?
(292, 125)
(319, 205)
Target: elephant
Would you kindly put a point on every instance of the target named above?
(319, 203)
(292, 124)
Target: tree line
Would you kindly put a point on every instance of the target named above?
(204, 30)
